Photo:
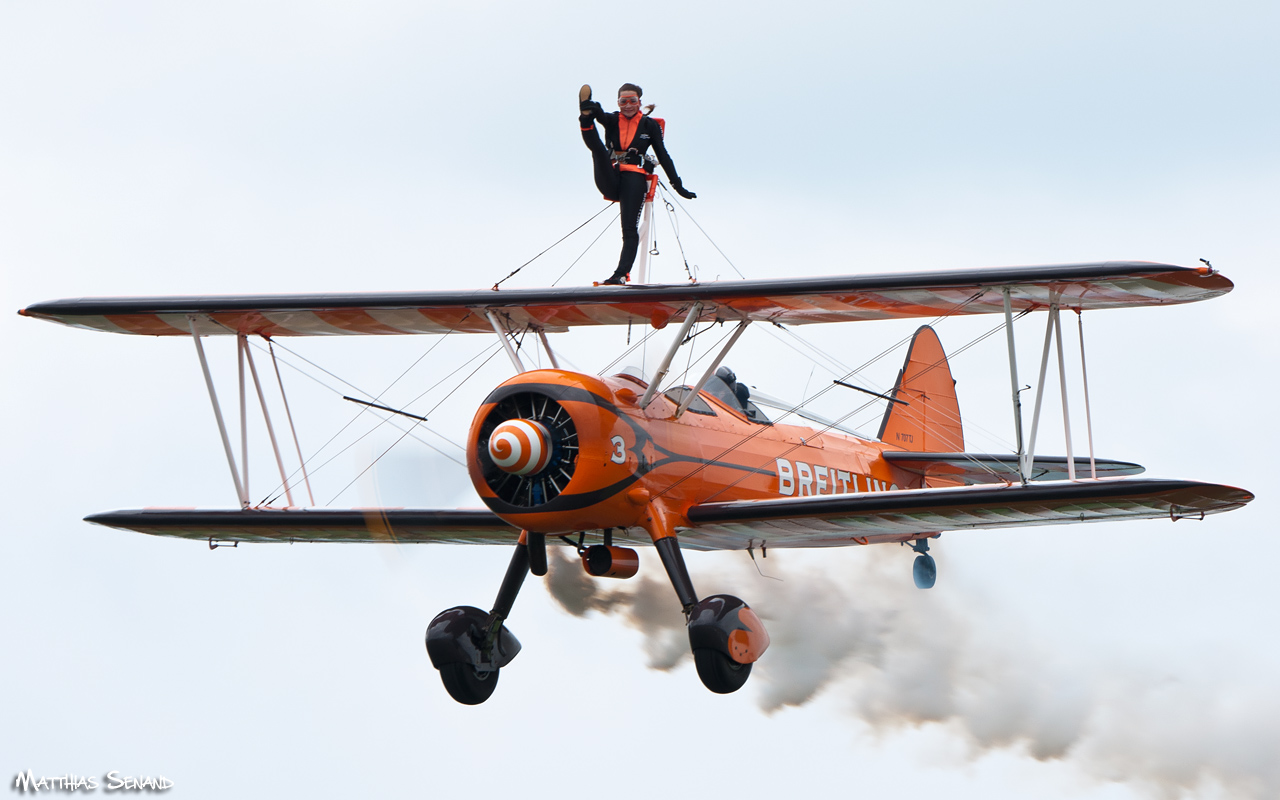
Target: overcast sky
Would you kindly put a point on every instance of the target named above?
(158, 148)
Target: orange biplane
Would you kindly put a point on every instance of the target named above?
(606, 463)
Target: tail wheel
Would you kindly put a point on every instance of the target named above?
(718, 672)
(924, 571)
(468, 685)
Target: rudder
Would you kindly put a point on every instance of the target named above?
(930, 423)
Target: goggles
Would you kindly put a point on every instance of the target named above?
(628, 101)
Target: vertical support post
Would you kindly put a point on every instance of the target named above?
(506, 341)
(1088, 415)
(1013, 381)
(542, 335)
(217, 414)
(646, 232)
(306, 479)
(1030, 456)
(711, 370)
(266, 417)
(242, 344)
(1062, 384)
(690, 318)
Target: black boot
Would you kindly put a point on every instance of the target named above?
(588, 109)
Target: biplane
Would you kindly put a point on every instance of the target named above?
(608, 463)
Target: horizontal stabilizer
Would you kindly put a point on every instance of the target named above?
(369, 525)
(973, 468)
(794, 301)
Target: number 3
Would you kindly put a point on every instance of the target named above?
(619, 450)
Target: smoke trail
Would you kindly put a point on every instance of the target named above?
(647, 604)
(904, 658)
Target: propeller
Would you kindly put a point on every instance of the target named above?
(528, 449)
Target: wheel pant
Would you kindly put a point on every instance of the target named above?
(625, 188)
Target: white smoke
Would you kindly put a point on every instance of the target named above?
(905, 658)
(646, 603)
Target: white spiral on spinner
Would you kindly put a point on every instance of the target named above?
(519, 446)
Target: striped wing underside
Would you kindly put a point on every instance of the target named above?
(846, 298)
(823, 521)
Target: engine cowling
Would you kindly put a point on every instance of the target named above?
(551, 451)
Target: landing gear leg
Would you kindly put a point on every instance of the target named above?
(468, 646)
(925, 569)
(673, 561)
(725, 635)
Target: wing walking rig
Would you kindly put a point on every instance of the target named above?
(607, 463)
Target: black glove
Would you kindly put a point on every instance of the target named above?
(678, 185)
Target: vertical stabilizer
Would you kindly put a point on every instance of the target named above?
(930, 422)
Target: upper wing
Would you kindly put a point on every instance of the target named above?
(897, 516)
(842, 298)
(971, 468)
(381, 525)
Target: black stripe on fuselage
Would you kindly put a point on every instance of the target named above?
(576, 501)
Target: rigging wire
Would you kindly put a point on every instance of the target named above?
(684, 376)
(786, 452)
(557, 241)
(389, 421)
(279, 488)
(406, 433)
(382, 421)
(675, 229)
(713, 461)
(953, 417)
(712, 349)
(704, 233)
(588, 247)
(630, 350)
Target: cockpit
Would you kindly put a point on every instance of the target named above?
(725, 387)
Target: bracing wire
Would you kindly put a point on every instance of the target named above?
(832, 360)
(406, 433)
(276, 492)
(675, 230)
(388, 421)
(709, 239)
(743, 440)
(652, 332)
(557, 241)
(712, 349)
(587, 248)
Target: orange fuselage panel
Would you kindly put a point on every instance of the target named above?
(646, 467)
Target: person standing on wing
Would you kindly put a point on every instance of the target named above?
(621, 168)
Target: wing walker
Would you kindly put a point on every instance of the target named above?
(608, 463)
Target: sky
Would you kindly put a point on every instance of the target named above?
(154, 148)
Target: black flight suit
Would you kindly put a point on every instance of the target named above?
(624, 179)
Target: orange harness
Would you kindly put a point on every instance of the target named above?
(627, 128)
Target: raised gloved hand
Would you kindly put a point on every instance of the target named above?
(678, 185)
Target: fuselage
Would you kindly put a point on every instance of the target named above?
(617, 465)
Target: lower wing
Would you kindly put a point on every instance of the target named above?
(820, 521)
(368, 525)
(836, 520)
